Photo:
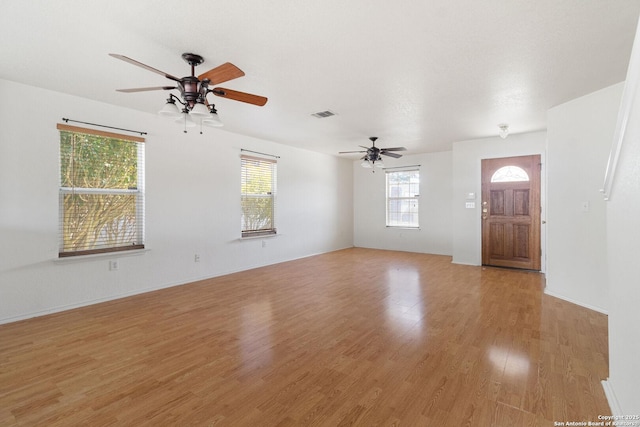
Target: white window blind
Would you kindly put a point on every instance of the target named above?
(101, 191)
(403, 190)
(258, 196)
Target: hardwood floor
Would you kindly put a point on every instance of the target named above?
(353, 337)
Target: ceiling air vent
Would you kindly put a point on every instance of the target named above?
(323, 114)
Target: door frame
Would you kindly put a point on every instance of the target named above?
(543, 202)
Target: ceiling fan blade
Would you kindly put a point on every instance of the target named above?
(348, 152)
(394, 149)
(144, 89)
(222, 73)
(394, 155)
(146, 67)
(240, 96)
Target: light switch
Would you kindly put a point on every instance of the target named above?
(470, 205)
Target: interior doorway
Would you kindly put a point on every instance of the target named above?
(511, 212)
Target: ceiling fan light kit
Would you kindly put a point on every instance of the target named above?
(170, 109)
(199, 110)
(212, 119)
(186, 119)
(196, 109)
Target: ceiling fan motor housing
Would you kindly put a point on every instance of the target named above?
(192, 89)
(373, 154)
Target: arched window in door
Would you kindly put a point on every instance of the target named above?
(510, 174)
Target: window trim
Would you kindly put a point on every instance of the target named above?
(388, 198)
(139, 191)
(273, 231)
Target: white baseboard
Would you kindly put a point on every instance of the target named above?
(572, 301)
(465, 263)
(611, 398)
(85, 303)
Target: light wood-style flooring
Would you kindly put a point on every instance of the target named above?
(353, 337)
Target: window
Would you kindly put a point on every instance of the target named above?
(258, 195)
(101, 191)
(403, 189)
(510, 174)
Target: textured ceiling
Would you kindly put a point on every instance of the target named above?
(421, 74)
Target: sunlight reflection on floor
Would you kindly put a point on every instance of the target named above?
(404, 304)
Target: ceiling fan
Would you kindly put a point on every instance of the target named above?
(373, 153)
(194, 90)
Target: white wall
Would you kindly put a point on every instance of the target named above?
(434, 234)
(579, 136)
(192, 206)
(467, 157)
(623, 237)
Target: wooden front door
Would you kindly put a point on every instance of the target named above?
(511, 212)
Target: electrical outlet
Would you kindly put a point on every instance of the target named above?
(114, 265)
(264, 243)
(196, 258)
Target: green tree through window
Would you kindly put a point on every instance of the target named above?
(258, 190)
(101, 197)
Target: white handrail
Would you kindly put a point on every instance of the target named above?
(628, 95)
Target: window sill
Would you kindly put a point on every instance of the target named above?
(400, 227)
(264, 236)
(105, 255)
